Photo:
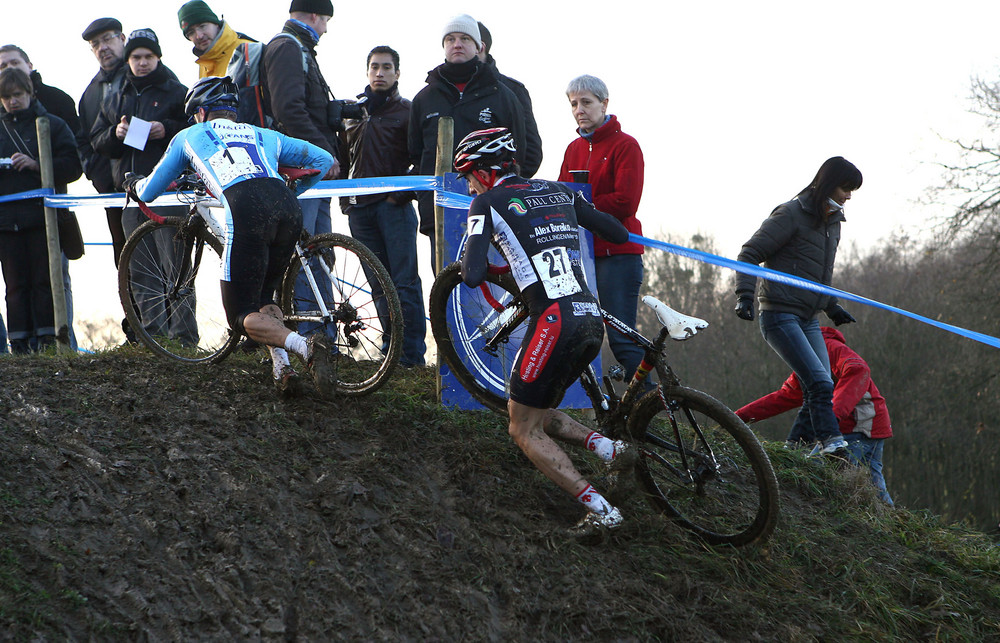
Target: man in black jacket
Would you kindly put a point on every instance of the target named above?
(533, 151)
(57, 103)
(150, 93)
(386, 223)
(468, 91)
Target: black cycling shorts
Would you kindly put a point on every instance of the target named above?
(557, 347)
(267, 222)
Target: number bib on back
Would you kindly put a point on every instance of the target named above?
(234, 162)
(555, 272)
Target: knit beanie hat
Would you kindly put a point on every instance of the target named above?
(99, 26)
(319, 7)
(463, 24)
(143, 38)
(194, 13)
(487, 37)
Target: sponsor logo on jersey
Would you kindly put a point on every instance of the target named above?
(584, 308)
(549, 200)
(553, 228)
(517, 207)
(486, 116)
(540, 348)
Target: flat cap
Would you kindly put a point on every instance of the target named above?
(99, 26)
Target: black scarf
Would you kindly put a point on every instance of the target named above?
(460, 73)
(108, 75)
(376, 98)
(154, 77)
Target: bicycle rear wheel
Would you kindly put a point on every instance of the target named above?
(363, 320)
(477, 332)
(168, 282)
(719, 484)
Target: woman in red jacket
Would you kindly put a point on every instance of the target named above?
(859, 407)
(613, 165)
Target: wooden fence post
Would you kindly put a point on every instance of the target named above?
(445, 150)
(52, 237)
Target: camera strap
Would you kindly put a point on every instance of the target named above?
(18, 142)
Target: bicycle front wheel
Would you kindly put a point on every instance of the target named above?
(360, 311)
(704, 467)
(168, 282)
(478, 332)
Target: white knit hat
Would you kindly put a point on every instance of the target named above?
(463, 24)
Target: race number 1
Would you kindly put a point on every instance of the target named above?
(556, 273)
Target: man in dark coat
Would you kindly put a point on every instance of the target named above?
(471, 93)
(387, 223)
(152, 94)
(533, 152)
(108, 44)
(57, 103)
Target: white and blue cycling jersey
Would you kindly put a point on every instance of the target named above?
(224, 153)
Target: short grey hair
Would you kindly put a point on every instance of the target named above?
(591, 84)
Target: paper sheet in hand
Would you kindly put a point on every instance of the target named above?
(138, 133)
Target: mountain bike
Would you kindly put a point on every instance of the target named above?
(169, 273)
(700, 465)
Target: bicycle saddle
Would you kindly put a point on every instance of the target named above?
(679, 326)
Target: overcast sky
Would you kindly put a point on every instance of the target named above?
(735, 104)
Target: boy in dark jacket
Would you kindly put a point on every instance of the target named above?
(23, 245)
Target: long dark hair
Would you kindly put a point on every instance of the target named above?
(836, 172)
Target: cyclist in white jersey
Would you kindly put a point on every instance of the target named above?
(239, 165)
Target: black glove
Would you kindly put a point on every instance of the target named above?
(744, 307)
(840, 316)
(128, 184)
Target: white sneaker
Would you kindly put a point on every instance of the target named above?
(595, 526)
(829, 446)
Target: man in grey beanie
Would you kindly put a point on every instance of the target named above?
(471, 93)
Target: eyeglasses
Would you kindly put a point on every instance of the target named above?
(96, 43)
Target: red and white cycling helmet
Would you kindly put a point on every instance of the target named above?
(488, 153)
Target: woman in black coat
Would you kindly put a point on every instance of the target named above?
(23, 245)
(801, 238)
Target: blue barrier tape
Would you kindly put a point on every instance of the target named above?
(774, 275)
(322, 190)
(31, 194)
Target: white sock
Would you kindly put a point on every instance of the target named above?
(297, 344)
(603, 447)
(594, 501)
(279, 360)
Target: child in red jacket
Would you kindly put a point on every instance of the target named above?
(857, 403)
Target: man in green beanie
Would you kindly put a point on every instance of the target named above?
(214, 41)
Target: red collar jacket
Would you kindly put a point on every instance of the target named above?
(616, 167)
(858, 405)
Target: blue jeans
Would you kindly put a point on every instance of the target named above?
(390, 231)
(619, 278)
(316, 220)
(800, 344)
(865, 451)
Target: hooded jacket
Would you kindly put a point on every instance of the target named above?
(155, 97)
(617, 172)
(298, 100)
(484, 102)
(797, 240)
(18, 134)
(377, 146)
(857, 403)
(215, 61)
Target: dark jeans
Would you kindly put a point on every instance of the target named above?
(390, 231)
(619, 278)
(867, 452)
(25, 260)
(800, 344)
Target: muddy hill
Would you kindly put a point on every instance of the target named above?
(150, 501)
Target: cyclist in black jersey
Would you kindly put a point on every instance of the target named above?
(535, 225)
